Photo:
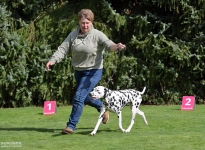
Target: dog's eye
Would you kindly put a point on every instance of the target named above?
(98, 91)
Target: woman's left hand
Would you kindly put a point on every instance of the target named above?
(120, 46)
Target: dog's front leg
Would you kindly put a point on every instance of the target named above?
(102, 111)
(132, 119)
(119, 114)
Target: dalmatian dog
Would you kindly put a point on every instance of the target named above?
(115, 100)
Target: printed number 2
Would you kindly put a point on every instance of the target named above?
(188, 101)
(49, 106)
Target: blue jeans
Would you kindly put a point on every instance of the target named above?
(86, 81)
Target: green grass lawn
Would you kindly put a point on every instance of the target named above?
(169, 129)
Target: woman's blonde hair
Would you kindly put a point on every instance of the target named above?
(87, 14)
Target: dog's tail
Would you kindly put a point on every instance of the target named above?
(143, 90)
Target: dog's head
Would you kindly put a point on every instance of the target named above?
(98, 92)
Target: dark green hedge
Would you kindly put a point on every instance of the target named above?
(164, 39)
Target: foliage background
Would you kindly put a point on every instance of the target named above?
(164, 39)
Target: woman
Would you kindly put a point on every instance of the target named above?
(87, 46)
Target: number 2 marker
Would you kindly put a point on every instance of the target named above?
(188, 103)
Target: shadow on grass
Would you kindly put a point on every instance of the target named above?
(82, 131)
(91, 129)
(29, 129)
(176, 108)
(86, 132)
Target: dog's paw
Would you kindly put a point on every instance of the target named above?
(123, 130)
(128, 130)
(92, 133)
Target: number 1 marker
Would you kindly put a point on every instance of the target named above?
(50, 107)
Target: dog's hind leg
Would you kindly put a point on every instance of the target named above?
(102, 111)
(141, 113)
(134, 112)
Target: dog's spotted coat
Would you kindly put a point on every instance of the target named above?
(115, 101)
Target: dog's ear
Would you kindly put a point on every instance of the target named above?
(105, 90)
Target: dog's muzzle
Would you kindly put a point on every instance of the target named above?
(93, 96)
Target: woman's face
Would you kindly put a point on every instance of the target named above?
(85, 25)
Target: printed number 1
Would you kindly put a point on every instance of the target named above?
(188, 100)
(49, 106)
